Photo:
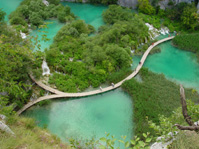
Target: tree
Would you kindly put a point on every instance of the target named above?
(2, 15)
(116, 13)
(119, 56)
(96, 55)
(36, 19)
(61, 17)
(56, 2)
(17, 20)
(24, 11)
(189, 17)
(15, 64)
(144, 6)
(187, 118)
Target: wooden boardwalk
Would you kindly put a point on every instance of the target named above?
(59, 94)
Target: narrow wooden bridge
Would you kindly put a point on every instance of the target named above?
(59, 94)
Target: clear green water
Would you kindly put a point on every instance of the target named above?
(91, 14)
(9, 6)
(88, 117)
(177, 65)
(53, 27)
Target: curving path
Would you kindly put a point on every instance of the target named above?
(59, 94)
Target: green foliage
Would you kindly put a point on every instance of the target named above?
(35, 12)
(181, 16)
(119, 75)
(166, 124)
(150, 97)
(56, 2)
(35, 19)
(151, 19)
(15, 63)
(17, 20)
(189, 17)
(110, 142)
(2, 15)
(185, 140)
(116, 13)
(185, 14)
(145, 7)
(84, 60)
(187, 42)
(27, 135)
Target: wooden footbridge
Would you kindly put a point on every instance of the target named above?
(59, 94)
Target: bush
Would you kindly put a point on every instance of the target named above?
(119, 76)
(187, 42)
(17, 20)
(116, 13)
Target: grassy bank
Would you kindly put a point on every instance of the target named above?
(187, 42)
(28, 135)
(152, 97)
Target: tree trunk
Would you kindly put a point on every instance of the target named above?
(192, 126)
(184, 107)
(5, 128)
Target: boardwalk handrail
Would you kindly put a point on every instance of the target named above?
(59, 94)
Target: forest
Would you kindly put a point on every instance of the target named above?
(109, 50)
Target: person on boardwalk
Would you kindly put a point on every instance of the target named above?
(100, 88)
(112, 84)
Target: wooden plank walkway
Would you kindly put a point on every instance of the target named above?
(59, 94)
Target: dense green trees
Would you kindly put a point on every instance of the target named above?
(15, 63)
(185, 14)
(2, 15)
(116, 13)
(17, 60)
(90, 60)
(181, 16)
(35, 12)
(144, 6)
(84, 60)
(190, 17)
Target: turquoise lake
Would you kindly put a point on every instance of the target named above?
(9, 5)
(84, 118)
(91, 14)
(111, 112)
(177, 65)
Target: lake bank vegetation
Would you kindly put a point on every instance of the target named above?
(17, 60)
(28, 135)
(187, 42)
(33, 13)
(152, 97)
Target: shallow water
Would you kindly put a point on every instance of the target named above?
(84, 118)
(9, 6)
